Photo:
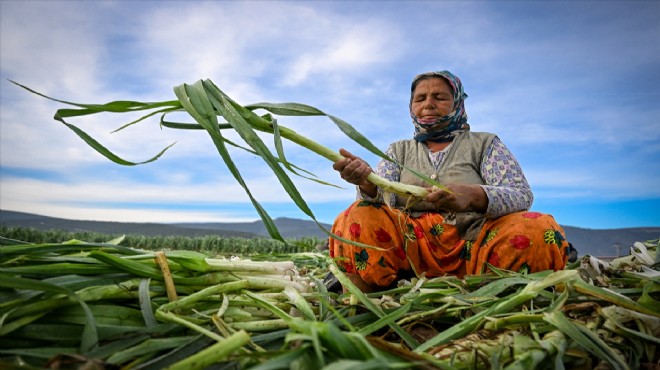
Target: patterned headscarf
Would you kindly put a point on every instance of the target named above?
(444, 128)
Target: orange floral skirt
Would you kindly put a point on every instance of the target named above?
(403, 246)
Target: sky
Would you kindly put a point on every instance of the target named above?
(571, 87)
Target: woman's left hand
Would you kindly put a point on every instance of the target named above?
(459, 198)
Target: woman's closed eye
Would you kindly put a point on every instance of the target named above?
(439, 97)
(442, 97)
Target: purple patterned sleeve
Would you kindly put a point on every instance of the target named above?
(506, 186)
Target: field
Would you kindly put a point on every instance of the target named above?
(185, 303)
(210, 244)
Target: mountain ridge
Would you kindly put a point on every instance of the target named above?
(288, 227)
(596, 242)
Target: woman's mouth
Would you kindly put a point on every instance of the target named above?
(427, 119)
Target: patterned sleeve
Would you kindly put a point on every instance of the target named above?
(389, 171)
(506, 186)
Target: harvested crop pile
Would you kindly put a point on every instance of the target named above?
(103, 306)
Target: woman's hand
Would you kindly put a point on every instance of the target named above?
(460, 198)
(355, 171)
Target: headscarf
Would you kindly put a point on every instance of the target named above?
(444, 128)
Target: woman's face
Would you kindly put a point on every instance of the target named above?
(433, 98)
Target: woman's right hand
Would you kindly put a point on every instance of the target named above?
(355, 171)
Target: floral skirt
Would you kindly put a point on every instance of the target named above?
(397, 245)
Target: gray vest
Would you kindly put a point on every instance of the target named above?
(462, 164)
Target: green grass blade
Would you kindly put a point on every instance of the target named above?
(505, 304)
(348, 284)
(215, 353)
(164, 361)
(149, 346)
(613, 297)
(90, 334)
(386, 320)
(9, 326)
(585, 338)
(185, 302)
(105, 151)
(68, 246)
(116, 107)
(235, 114)
(127, 265)
(271, 307)
(245, 130)
(283, 361)
(282, 157)
(120, 106)
(290, 166)
(164, 111)
(619, 317)
(300, 302)
(17, 282)
(296, 109)
(287, 109)
(168, 316)
(57, 269)
(144, 299)
(182, 92)
(45, 353)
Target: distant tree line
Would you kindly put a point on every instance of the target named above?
(211, 245)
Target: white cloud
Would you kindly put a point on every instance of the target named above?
(120, 199)
(173, 187)
(45, 52)
(350, 51)
(578, 183)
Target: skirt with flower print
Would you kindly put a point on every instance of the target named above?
(396, 245)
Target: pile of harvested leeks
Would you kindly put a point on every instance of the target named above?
(88, 305)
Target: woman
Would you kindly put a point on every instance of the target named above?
(481, 217)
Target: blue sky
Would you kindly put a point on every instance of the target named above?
(571, 87)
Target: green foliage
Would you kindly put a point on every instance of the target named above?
(208, 105)
(209, 245)
(80, 304)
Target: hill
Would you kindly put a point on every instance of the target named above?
(288, 227)
(608, 242)
(39, 222)
(596, 242)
